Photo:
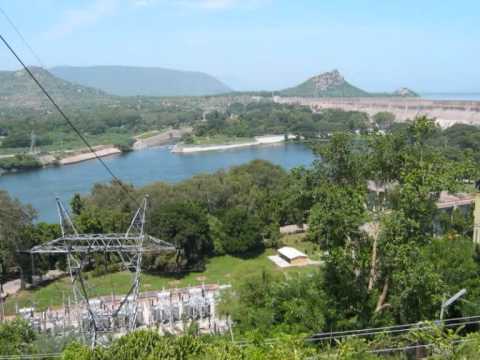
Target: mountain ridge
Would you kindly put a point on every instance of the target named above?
(18, 89)
(142, 81)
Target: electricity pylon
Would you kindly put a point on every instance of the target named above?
(129, 247)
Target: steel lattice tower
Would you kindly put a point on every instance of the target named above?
(128, 247)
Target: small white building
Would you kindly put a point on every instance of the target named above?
(293, 256)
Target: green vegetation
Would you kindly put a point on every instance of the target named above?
(15, 234)
(388, 257)
(100, 124)
(17, 338)
(19, 162)
(246, 121)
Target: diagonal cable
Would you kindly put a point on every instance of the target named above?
(67, 119)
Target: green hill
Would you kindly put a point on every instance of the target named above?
(145, 81)
(333, 84)
(329, 84)
(17, 89)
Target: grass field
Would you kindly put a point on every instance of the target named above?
(220, 269)
(298, 241)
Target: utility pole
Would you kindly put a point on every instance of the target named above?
(447, 303)
(2, 308)
(476, 215)
(33, 141)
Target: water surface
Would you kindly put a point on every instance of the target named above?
(39, 187)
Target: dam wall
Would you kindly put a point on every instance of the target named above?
(445, 112)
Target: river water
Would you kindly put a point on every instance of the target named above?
(40, 187)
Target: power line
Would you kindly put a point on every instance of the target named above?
(67, 119)
(395, 332)
(15, 28)
(387, 330)
(393, 328)
(414, 347)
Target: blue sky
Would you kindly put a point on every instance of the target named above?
(378, 45)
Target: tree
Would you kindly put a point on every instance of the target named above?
(217, 233)
(384, 120)
(268, 304)
(15, 230)
(186, 226)
(342, 161)
(349, 304)
(77, 204)
(107, 210)
(17, 140)
(16, 338)
(337, 215)
(40, 233)
(243, 231)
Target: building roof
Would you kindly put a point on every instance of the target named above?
(293, 229)
(447, 200)
(290, 252)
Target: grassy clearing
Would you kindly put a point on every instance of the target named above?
(220, 269)
(147, 134)
(298, 241)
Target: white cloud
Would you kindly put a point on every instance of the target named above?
(217, 4)
(82, 17)
(94, 10)
(142, 3)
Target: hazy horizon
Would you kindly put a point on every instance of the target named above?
(429, 47)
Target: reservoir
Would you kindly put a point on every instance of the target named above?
(40, 187)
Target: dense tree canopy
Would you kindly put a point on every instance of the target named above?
(390, 263)
(184, 225)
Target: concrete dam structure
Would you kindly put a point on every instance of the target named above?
(445, 112)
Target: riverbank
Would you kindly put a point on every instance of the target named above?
(258, 140)
(149, 140)
(99, 151)
(13, 163)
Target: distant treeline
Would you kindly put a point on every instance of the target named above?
(259, 118)
(97, 123)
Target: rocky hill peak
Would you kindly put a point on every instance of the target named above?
(328, 80)
(405, 92)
